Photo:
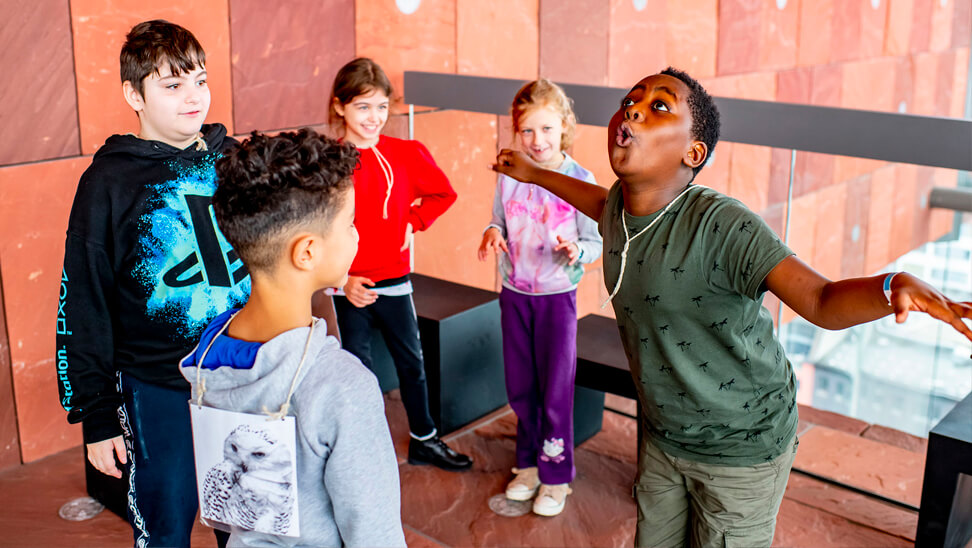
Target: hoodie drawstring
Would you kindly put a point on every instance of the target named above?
(200, 143)
(389, 178)
(285, 407)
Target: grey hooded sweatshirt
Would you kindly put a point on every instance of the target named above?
(347, 471)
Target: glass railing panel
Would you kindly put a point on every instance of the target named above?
(873, 217)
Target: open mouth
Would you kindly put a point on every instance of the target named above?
(623, 136)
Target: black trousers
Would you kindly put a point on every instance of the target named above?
(395, 318)
(162, 500)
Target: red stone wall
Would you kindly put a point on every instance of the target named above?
(271, 65)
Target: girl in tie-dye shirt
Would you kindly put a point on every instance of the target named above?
(541, 242)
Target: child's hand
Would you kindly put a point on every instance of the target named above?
(408, 237)
(357, 293)
(101, 454)
(492, 241)
(570, 248)
(515, 164)
(909, 293)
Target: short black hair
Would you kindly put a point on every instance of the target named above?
(705, 114)
(268, 187)
(151, 44)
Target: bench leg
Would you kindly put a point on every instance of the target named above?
(588, 413)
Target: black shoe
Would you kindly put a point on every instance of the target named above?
(434, 451)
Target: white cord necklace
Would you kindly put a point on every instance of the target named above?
(629, 239)
(271, 415)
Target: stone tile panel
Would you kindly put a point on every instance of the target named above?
(778, 35)
(574, 41)
(925, 67)
(9, 436)
(831, 420)
(921, 25)
(814, 43)
(856, 217)
(716, 172)
(500, 38)
(880, 219)
(38, 101)
(962, 24)
(817, 514)
(466, 162)
(959, 83)
(803, 226)
(897, 37)
(904, 207)
(453, 507)
(284, 59)
(637, 40)
(867, 464)
(922, 220)
(33, 222)
(941, 24)
(896, 438)
(739, 22)
(846, 31)
(942, 220)
(829, 233)
(691, 38)
(874, 16)
(749, 175)
(423, 39)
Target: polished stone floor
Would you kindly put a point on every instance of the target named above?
(452, 509)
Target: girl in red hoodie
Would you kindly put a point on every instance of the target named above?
(398, 189)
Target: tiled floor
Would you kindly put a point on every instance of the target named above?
(451, 509)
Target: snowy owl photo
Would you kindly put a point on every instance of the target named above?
(253, 487)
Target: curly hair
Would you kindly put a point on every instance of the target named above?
(705, 114)
(544, 93)
(270, 186)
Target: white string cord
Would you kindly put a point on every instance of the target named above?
(271, 415)
(629, 239)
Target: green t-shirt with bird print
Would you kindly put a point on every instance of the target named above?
(714, 383)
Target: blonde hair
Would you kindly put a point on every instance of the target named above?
(544, 93)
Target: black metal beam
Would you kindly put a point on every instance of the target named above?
(923, 140)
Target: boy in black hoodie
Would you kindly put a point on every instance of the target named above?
(145, 270)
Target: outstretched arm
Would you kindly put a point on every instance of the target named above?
(845, 303)
(587, 198)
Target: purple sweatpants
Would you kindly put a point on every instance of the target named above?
(540, 360)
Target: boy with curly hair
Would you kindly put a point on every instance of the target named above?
(286, 203)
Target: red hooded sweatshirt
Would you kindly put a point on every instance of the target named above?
(381, 213)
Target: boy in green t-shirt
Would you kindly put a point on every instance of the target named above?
(687, 268)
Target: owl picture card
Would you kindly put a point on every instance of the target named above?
(246, 471)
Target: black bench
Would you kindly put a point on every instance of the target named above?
(601, 367)
(463, 348)
(945, 514)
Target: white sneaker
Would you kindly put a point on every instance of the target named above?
(524, 485)
(551, 499)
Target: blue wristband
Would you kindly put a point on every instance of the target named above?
(887, 286)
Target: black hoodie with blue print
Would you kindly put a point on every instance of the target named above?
(145, 270)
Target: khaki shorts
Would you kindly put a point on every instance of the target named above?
(683, 502)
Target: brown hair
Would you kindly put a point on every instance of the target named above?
(544, 93)
(151, 44)
(358, 77)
